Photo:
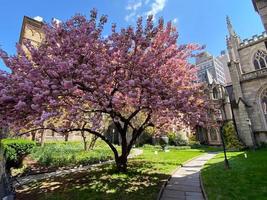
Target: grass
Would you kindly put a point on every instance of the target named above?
(143, 181)
(59, 154)
(245, 180)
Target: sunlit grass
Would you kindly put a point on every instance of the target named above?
(245, 180)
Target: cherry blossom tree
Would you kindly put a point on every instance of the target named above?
(77, 75)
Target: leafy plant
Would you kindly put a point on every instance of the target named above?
(15, 150)
(230, 137)
(176, 139)
(193, 142)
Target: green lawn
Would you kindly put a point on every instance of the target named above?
(142, 182)
(247, 178)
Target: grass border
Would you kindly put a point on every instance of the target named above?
(202, 185)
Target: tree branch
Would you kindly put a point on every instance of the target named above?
(98, 135)
(37, 129)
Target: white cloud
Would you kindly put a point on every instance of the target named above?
(174, 21)
(156, 7)
(38, 18)
(134, 5)
(130, 16)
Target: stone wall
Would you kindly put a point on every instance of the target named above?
(248, 51)
(252, 90)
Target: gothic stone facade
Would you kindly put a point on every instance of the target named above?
(248, 69)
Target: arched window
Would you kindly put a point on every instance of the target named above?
(213, 134)
(260, 60)
(215, 93)
(264, 102)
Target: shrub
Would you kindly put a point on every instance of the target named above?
(193, 142)
(230, 137)
(15, 150)
(176, 139)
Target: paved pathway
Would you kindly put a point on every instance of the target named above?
(37, 177)
(185, 182)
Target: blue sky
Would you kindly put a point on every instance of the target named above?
(198, 21)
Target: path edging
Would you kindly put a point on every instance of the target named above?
(202, 186)
(166, 182)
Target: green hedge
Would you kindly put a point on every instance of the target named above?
(15, 150)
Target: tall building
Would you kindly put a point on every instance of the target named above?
(209, 67)
(224, 58)
(248, 70)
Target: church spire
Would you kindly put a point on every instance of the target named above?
(230, 27)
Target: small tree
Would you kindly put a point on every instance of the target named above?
(80, 75)
(230, 137)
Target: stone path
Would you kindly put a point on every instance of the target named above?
(27, 179)
(185, 182)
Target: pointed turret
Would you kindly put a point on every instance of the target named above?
(233, 41)
(230, 27)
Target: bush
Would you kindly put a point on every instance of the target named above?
(230, 137)
(15, 151)
(176, 139)
(193, 142)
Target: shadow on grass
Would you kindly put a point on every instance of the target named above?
(102, 183)
(246, 178)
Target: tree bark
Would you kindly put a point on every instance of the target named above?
(85, 144)
(33, 136)
(42, 138)
(92, 142)
(121, 163)
(66, 137)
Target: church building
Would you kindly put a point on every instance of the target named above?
(248, 70)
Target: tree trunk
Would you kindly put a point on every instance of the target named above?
(42, 138)
(33, 136)
(121, 163)
(85, 143)
(92, 143)
(66, 137)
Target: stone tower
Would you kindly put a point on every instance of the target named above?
(240, 108)
(261, 7)
(31, 30)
